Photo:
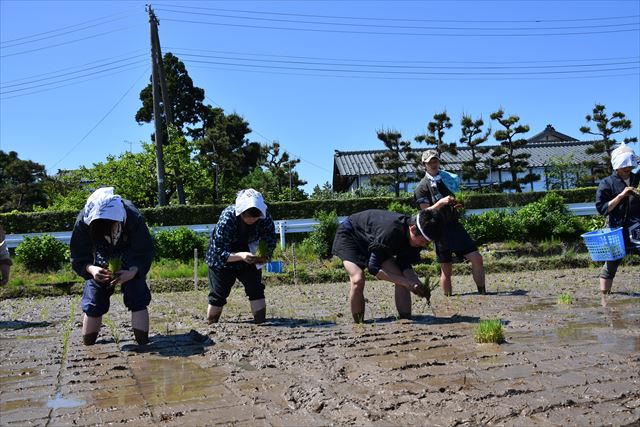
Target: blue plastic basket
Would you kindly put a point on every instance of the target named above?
(274, 267)
(606, 244)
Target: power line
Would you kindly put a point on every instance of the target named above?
(33, 76)
(438, 78)
(66, 43)
(403, 27)
(102, 119)
(269, 140)
(74, 82)
(63, 28)
(405, 66)
(386, 19)
(405, 61)
(327, 30)
(58, 35)
(76, 72)
(392, 72)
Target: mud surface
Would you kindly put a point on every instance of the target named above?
(575, 364)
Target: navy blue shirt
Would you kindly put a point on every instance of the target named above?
(232, 235)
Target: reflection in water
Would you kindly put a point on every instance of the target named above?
(161, 380)
(60, 402)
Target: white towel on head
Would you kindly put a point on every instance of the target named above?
(103, 204)
(250, 198)
(624, 160)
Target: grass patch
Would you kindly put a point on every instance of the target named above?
(489, 331)
(565, 299)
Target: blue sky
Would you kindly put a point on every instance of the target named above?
(317, 76)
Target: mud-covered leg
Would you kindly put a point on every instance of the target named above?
(90, 328)
(140, 324)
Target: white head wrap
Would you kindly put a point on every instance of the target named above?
(103, 204)
(623, 160)
(250, 198)
(420, 228)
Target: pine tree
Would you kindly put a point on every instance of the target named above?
(506, 153)
(472, 136)
(607, 126)
(397, 157)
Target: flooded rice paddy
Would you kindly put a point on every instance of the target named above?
(573, 364)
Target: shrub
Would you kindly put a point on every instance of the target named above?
(42, 253)
(565, 299)
(321, 238)
(548, 218)
(403, 208)
(178, 243)
(493, 226)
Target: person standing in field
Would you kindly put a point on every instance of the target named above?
(387, 244)
(111, 231)
(232, 253)
(5, 259)
(618, 198)
(432, 194)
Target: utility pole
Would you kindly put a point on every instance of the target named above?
(153, 26)
(168, 106)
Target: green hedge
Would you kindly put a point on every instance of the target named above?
(34, 222)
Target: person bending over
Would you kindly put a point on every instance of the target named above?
(387, 244)
(241, 226)
(111, 245)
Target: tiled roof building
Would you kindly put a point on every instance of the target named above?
(352, 169)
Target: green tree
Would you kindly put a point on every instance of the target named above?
(226, 145)
(186, 106)
(395, 159)
(282, 167)
(436, 130)
(472, 137)
(606, 128)
(507, 152)
(562, 172)
(323, 193)
(21, 183)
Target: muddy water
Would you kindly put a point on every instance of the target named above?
(574, 364)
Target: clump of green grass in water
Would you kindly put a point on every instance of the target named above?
(565, 299)
(489, 331)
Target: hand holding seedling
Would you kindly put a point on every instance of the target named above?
(100, 275)
(122, 276)
(630, 191)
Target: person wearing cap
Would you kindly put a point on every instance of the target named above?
(387, 244)
(618, 198)
(240, 228)
(432, 194)
(108, 228)
(5, 259)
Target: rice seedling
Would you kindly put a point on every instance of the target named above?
(112, 328)
(489, 331)
(565, 299)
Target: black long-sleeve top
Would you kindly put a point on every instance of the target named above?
(135, 245)
(385, 234)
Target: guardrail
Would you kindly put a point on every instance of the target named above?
(283, 227)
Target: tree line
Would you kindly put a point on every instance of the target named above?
(507, 155)
(208, 156)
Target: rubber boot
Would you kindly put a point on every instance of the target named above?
(404, 316)
(90, 339)
(142, 337)
(482, 291)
